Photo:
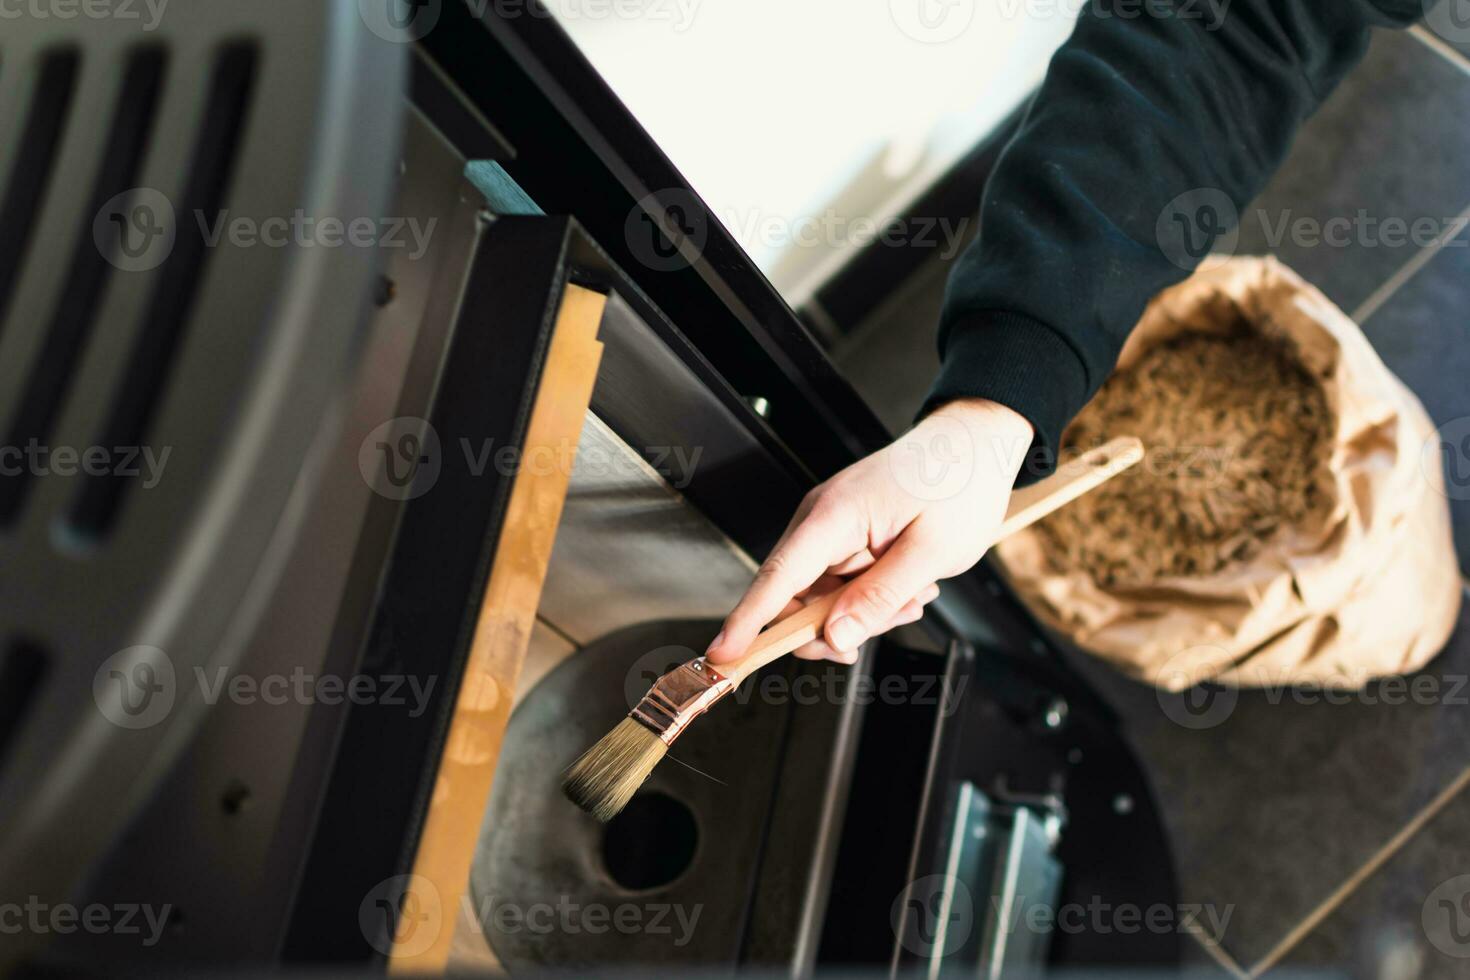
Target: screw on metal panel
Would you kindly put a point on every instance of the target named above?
(1056, 714)
(236, 797)
(384, 291)
(1052, 825)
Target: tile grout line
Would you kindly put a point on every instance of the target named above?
(1441, 47)
(1218, 953)
(1409, 269)
(1378, 860)
(1366, 309)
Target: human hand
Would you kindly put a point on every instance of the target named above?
(888, 528)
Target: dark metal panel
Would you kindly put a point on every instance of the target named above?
(579, 151)
(728, 446)
(431, 589)
(455, 119)
(902, 744)
(685, 843)
(1025, 731)
(370, 816)
(227, 355)
(798, 858)
(221, 841)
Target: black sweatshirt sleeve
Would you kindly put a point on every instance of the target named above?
(1186, 97)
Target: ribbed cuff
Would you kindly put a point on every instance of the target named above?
(1020, 363)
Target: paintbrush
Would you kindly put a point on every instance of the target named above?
(607, 775)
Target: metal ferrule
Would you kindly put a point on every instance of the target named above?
(680, 696)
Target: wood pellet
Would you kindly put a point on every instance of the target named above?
(1237, 435)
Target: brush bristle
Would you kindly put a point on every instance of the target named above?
(607, 775)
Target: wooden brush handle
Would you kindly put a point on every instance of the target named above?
(1027, 506)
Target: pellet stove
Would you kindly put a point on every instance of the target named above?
(437, 505)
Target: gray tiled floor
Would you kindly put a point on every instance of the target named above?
(1449, 21)
(1280, 801)
(1423, 334)
(1277, 806)
(1401, 911)
(1390, 143)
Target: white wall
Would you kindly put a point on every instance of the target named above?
(775, 110)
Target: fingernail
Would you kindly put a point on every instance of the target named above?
(719, 637)
(846, 633)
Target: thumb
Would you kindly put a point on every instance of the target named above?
(875, 597)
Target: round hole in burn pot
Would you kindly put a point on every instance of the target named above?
(650, 843)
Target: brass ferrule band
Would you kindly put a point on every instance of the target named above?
(680, 696)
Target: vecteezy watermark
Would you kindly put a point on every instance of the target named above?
(1446, 917)
(300, 686)
(138, 687)
(138, 229)
(1203, 466)
(1190, 699)
(649, 667)
(1422, 690)
(1097, 916)
(405, 21)
(1450, 19)
(832, 229)
(1184, 691)
(1361, 229)
(667, 230)
(405, 915)
(843, 687)
(1445, 458)
(678, 14)
(933, 916)
(1202, 227)
(566, 917)
(143, 463)
(1198, 229)
(400, 21)
(676, 464)
(941, 21)
(147, 13)
(1210, 13)
(40, 918)
(402, 914)
(932, 21)
(936, 460)
(304, 230)
(135, 687)
(403, 458)
(135, 230)
(836, 686)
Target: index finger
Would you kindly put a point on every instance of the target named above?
(797, 561)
